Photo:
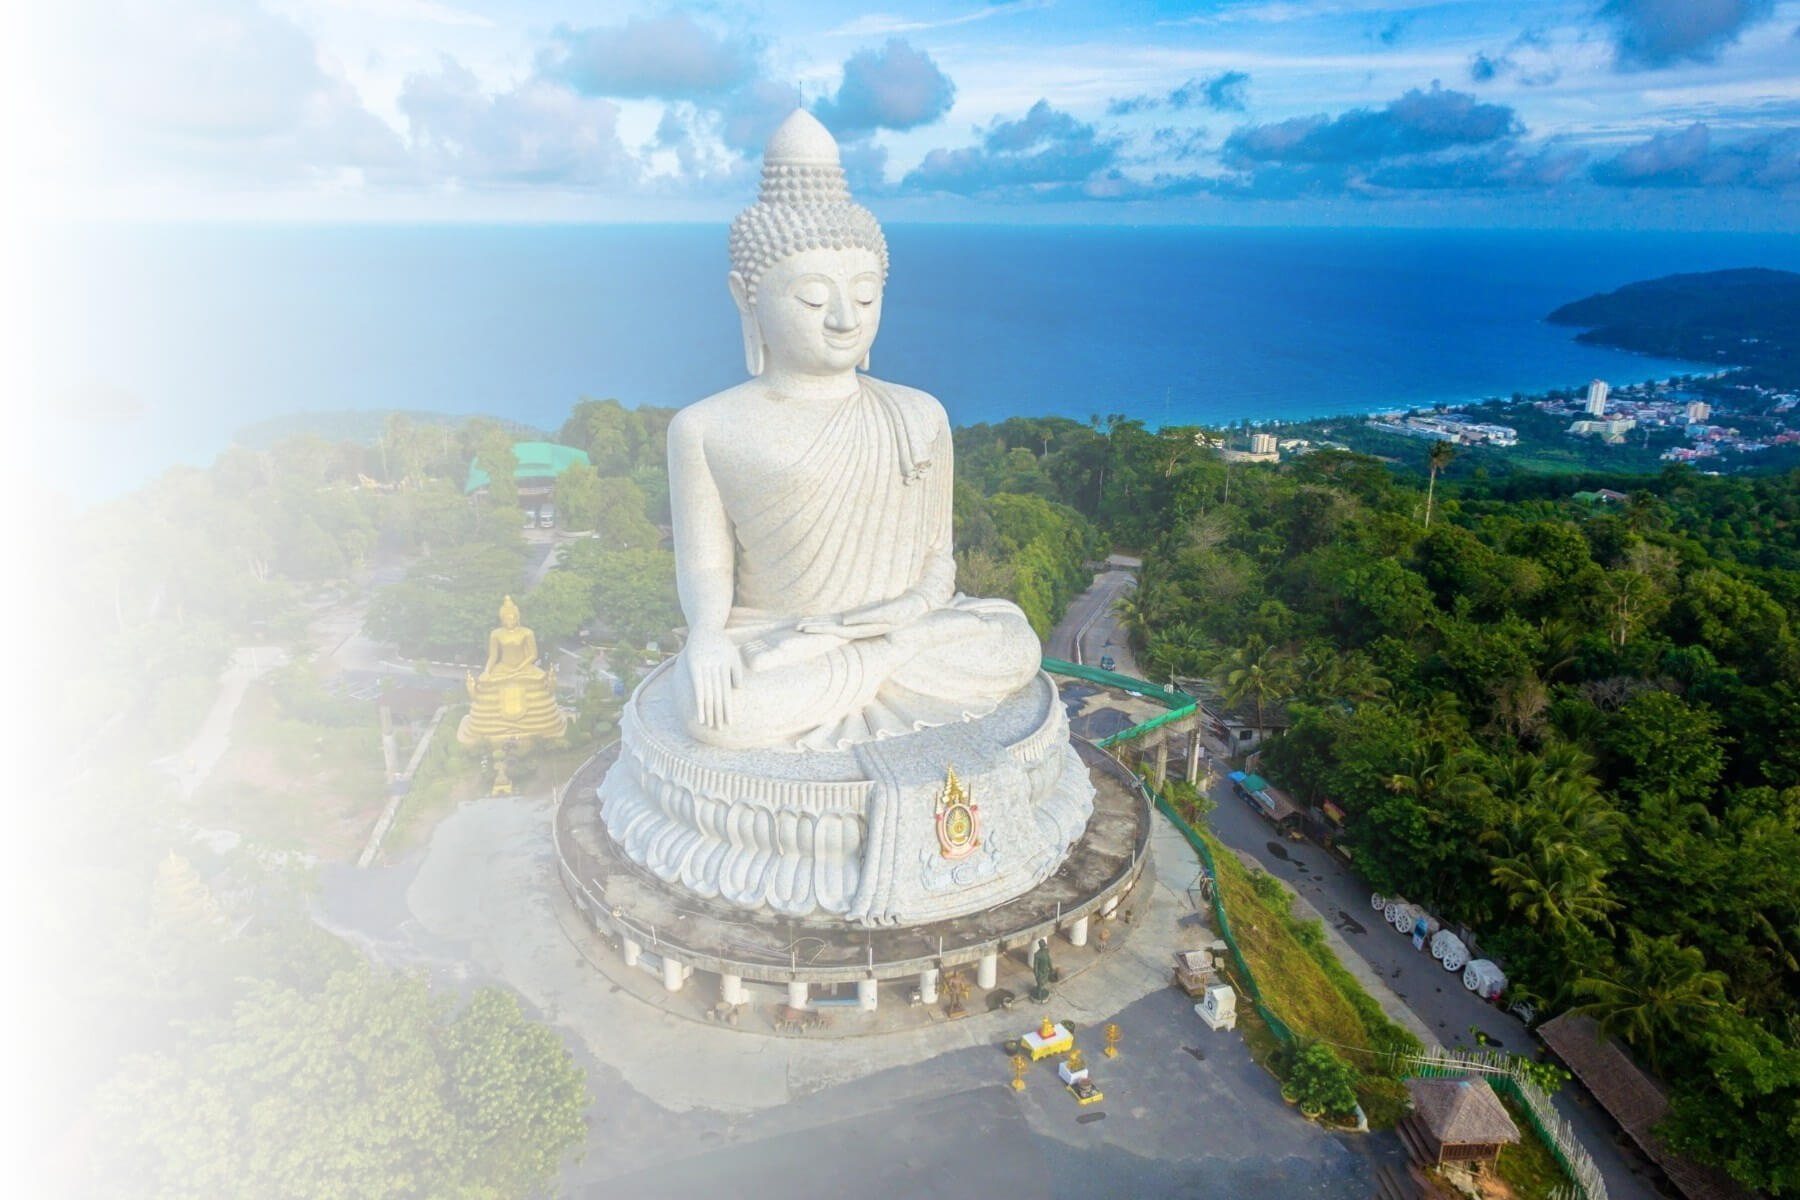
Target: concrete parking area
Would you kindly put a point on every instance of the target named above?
(681, 1108)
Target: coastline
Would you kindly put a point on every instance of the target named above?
(201, 332)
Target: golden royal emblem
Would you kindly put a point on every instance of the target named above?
(958, 820)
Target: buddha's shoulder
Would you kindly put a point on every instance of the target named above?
(922, 403)
(719, 411)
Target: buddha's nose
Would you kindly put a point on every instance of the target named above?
(841, 317)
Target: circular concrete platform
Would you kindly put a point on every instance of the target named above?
(668, 935)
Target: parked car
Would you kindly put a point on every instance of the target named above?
(1106, 662)
(546, 517)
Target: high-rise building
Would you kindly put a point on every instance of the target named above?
(1698, 410)
(1262, 443)
(1596, 401)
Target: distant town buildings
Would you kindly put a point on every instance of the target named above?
(1596, 398)
(1676, 410)
(1611, 431)
(1263, 449)
(1448, 427)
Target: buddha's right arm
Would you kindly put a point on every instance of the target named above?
(705, 559)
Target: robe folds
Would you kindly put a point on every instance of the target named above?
(862, 516)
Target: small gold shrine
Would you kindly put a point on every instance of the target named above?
(958, 819)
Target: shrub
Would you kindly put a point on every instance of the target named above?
(1321, 1083)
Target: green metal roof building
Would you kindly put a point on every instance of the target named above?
(537, 460)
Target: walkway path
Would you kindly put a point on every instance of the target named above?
(192, 765)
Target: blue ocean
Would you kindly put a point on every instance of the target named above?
(154, 344)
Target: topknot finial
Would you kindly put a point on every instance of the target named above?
(801, 139)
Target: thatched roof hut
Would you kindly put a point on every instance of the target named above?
(1634, 1099)
(1455, 1120)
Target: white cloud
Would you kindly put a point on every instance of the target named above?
(536, 133)
(889, 24)
(427, 12)
(213, 87)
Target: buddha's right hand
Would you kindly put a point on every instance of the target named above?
(714, 668)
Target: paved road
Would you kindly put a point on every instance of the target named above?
(1437, 996)
(1186, 1113)
(1090, 630)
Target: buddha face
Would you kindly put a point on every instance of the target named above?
(818, 310)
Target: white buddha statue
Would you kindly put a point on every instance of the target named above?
(794, 756)
(812, 503)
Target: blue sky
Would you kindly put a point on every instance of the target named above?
(1614, 113)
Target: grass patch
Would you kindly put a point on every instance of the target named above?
(1304, 984)
(1530, 1168)
(291, 782)
(449, 773)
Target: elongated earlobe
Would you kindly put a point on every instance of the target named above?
(754, 355)
(865, 364)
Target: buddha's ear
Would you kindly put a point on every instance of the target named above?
(753, 343)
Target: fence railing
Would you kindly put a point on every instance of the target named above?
(1129, 683)
(1180, 704)
(1550, 1125)
(1222, 920)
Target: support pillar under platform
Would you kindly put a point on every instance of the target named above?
(987, 971)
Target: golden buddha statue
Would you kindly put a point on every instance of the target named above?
(513, 699)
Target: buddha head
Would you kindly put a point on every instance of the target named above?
(807, 263)
(509, 614)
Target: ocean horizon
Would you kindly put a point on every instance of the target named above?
(154, 345)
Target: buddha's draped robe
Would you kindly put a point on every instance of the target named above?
(864, 516)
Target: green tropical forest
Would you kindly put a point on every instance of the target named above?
(1571, 725)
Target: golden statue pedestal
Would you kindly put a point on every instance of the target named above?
(513, 699)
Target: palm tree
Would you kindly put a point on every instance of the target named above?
(1559, 643)
(1139, 610)
(1256, 672)
(1436, 775)
(1438, 457)
(1661, 987)
(1177, 648)
(1557, 883)
(1327, 674)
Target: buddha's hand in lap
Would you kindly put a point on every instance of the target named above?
(871, 620)
(714, 668)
